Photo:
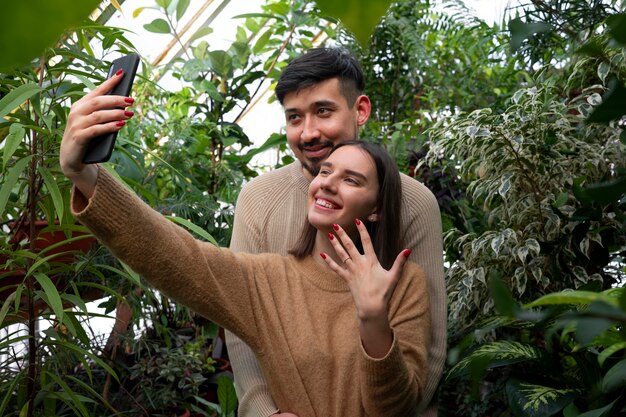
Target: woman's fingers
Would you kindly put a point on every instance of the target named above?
(398, 264)
(348, 245)
(342, 254)
(332, 264)
(366, 240)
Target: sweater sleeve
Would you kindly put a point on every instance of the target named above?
(253, 393)
(421, 220)
(393, 385)
(212, 281)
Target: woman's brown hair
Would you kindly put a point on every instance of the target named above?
(385, 232)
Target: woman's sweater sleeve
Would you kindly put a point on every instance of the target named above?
(207, 279)
(393, 385)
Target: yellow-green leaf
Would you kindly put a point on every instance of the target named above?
(359, 16)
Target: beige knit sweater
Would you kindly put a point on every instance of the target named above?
(274, 205)
(297, 315)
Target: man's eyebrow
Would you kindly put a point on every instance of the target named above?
(348, 171)
(317, 104)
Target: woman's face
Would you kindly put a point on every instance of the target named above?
(345, 189)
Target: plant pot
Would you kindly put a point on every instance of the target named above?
(45, 237)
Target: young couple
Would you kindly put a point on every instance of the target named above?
(337, 331)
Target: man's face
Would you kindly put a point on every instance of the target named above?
(317, 118)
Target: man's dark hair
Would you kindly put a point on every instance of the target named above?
(321, 64)
(385, 232)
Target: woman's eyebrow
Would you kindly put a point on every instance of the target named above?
(348, 171)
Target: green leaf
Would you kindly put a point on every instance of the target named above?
(28, 27)
(521, 31)
(76, 401)
(54, 191)
(221, 63)
(495, 354)
(572, 297)
(203, 31)
(131, 275)
(158, 26)
(10, 390)
(192, 227)
(16, 97)
(531, 400)
(12, 142)
(10, 179)
(262, 41)
(615, 378)
(181, 8)
(226, 395)
(359, 18)
(606, 192)
(617, 27)
(5, 307)
(54, 299)
(599, 412)
(561, 199)
(613, 104)
(504, 302)
(609, 351)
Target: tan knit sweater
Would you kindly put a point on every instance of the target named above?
(271, 207)
(297, 315)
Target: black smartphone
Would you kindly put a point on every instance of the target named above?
(101, 147)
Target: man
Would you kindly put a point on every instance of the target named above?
(321, 93)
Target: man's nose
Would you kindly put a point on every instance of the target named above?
(310, 130)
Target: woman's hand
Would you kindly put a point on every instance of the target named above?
(93, 115)
(370, 284)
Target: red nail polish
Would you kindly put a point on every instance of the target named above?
(357, 221)
(406, 253)
(119, 72)
(323, 255)
(128, 113)
(129, 100)
(120, 123)
(336, 226)
(331, 236)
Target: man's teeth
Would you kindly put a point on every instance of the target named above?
(324, 203)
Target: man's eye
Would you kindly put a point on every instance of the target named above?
(323, 110)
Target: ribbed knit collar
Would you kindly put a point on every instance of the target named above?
(321, 275)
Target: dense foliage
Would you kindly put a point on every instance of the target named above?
(518, 131)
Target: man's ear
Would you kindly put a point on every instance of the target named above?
(363, 108)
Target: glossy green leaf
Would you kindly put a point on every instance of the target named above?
(28, 27)
(53, 189)
(615, 378)
(131, 275)
(361, 19)
(54, 299)
(10, 180)
(203, 31)
(158, 26)
(16, 97)
(192, 227)
(12, 142)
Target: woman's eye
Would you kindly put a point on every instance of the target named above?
(352, 181)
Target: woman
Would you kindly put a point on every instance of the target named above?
(336, 334)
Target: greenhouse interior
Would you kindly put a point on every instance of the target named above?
(313, 208)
